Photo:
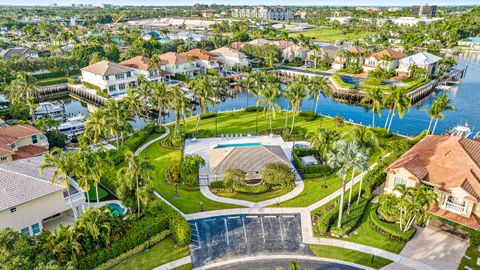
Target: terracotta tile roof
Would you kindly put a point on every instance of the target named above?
(356, 49)
(472, 221)
(237, 45)
(18, 131)
(105, 68)
(29, 151)
(201, 54)
(389, 52)
(173, 58)
(137, 62)
(446, 161)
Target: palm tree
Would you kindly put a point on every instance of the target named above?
(359, 163)
(318, 86)
(62, 164)
(401, 103)
(247, 83)
(269, 96)
(22, 91)
(136, 169)
(443, 104)
(323, 140)
(117, 119)
(161, 98)
(295, 93)
(203, 90)
(180, 104)
(365, 137)
(432, 112)
(345, 155)
(95, 127)
(374, 97)
(133, 102)
(65, 244)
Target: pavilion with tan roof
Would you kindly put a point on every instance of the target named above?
(451, 166)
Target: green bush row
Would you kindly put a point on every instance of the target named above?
(390, 230)
(254, 109)
(91, 86)
(52, 81)
(55, 74)
(309, 115)
(312, 171)
(134, 251)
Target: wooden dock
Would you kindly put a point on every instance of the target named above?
(77, 91)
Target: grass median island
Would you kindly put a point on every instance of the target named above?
(254, 197)
(349, 255)
(189, 201)
(162, 253)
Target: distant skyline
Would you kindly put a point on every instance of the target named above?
(243, 2)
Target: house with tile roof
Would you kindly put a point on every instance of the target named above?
(323, 53)
(387, 59)
(180, 63)
(18, 52)
(30, 202)
(21, 141)
(110, 76)
(204, 60)
(450, 165)
(142, 66)
(425, 60)
(354, 54)
(229, 58)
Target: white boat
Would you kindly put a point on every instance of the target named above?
(73, 126)
(463, 131)
(53, 109)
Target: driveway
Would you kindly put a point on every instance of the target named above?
(434, 247)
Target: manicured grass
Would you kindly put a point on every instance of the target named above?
(184, 267)
(254, 197)
(330, 34)
(349, 256)
(93, 195)
(162, 253)
(188, 201)
(472, 262)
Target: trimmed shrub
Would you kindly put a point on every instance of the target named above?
(207, 115)
(217, 186)
(52, 81)
(312, 171)
(55, 74)
(390, 230)
(309, 115)
(172, 175)
(251, 190)
(278, 174)
(254, 109)
(91, 86)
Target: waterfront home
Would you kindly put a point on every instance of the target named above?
(425, 60)
(259, 42)
(21, 141)
(323, 53)
(229, 58)
(237, 45)
(18, 52)
(180, 63)
(471, 42)
(295, 52)
(450, 165)
(352, 55)
(203, 59)
(386, 59)
(29, 202)
(142, 66)
(109, 76)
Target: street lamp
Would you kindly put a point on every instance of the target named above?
(176, 191)
(148, 238)
(201, 206)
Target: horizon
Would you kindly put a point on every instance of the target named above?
(311, 3)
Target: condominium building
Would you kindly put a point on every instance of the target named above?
(424, 10)
(276, 13)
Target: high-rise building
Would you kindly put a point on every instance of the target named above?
(276, 13)
(424, 10)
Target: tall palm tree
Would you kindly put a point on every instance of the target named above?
(432, 112)
(366, 138)
(117, 119)
(99, 167)
(359, 163)
(374, 97)
(247, 83)
(323, 140)
(295, 93)
(345, 155)
(136, 169)
(203, 90)
(22, 91)
(269, 96)
(133, 102)
(317, 87)
(62, 165)
(95, 128)
(161, 98)
(443, 104)
(401, 103)
(180, 104)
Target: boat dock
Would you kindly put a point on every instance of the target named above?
(77, 91)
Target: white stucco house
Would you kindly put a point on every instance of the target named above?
(230, 58)
(180, 63)
(386, 59)
(424, 60)
(204, 60)
(110, 76)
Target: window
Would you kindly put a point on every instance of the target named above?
(34, 139)
(35, 228)
(13, 145)
(119, 76)
(3, 158)
(129, 74)
(399, 181)
(112, 88)
(13, 210)
(456, 200)
(25, 230)
(105, 78)
(121, 86)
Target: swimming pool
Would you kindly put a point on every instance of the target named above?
(116, 209)
(237, 145)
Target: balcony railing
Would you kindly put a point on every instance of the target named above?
(75, 198)
(456, 208)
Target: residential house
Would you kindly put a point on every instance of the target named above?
(323, 53)
(180, 63)
(353, 55)
(141, 64)
(21, 141)
(109, 76)
(295, 52)
(18, 52)
(30, 203)
(230, 58)
(425, 60)
(450, 165)
(387, 59)
(472, 42)
(237, 45)
(204, 60)
(259, 42)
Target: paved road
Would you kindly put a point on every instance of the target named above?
(272, 264)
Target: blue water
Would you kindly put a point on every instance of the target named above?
(237, 145)
(116, 209)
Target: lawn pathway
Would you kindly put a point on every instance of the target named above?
(143, 147)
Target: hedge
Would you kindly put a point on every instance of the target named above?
(341, 83)
(52, 81)
(390, 230)
(91, 86)
(55, 74)
(254, 109)
(134, 251)
(312, 171)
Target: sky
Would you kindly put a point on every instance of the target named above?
(244, 2)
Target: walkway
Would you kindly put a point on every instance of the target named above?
(143, 147)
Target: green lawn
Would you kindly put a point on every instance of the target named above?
(93, 195)
(184, 267)
(472, 262)
(330, 34)
(189, 201)
(349, 256)
(162, 253)
(254, 197)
